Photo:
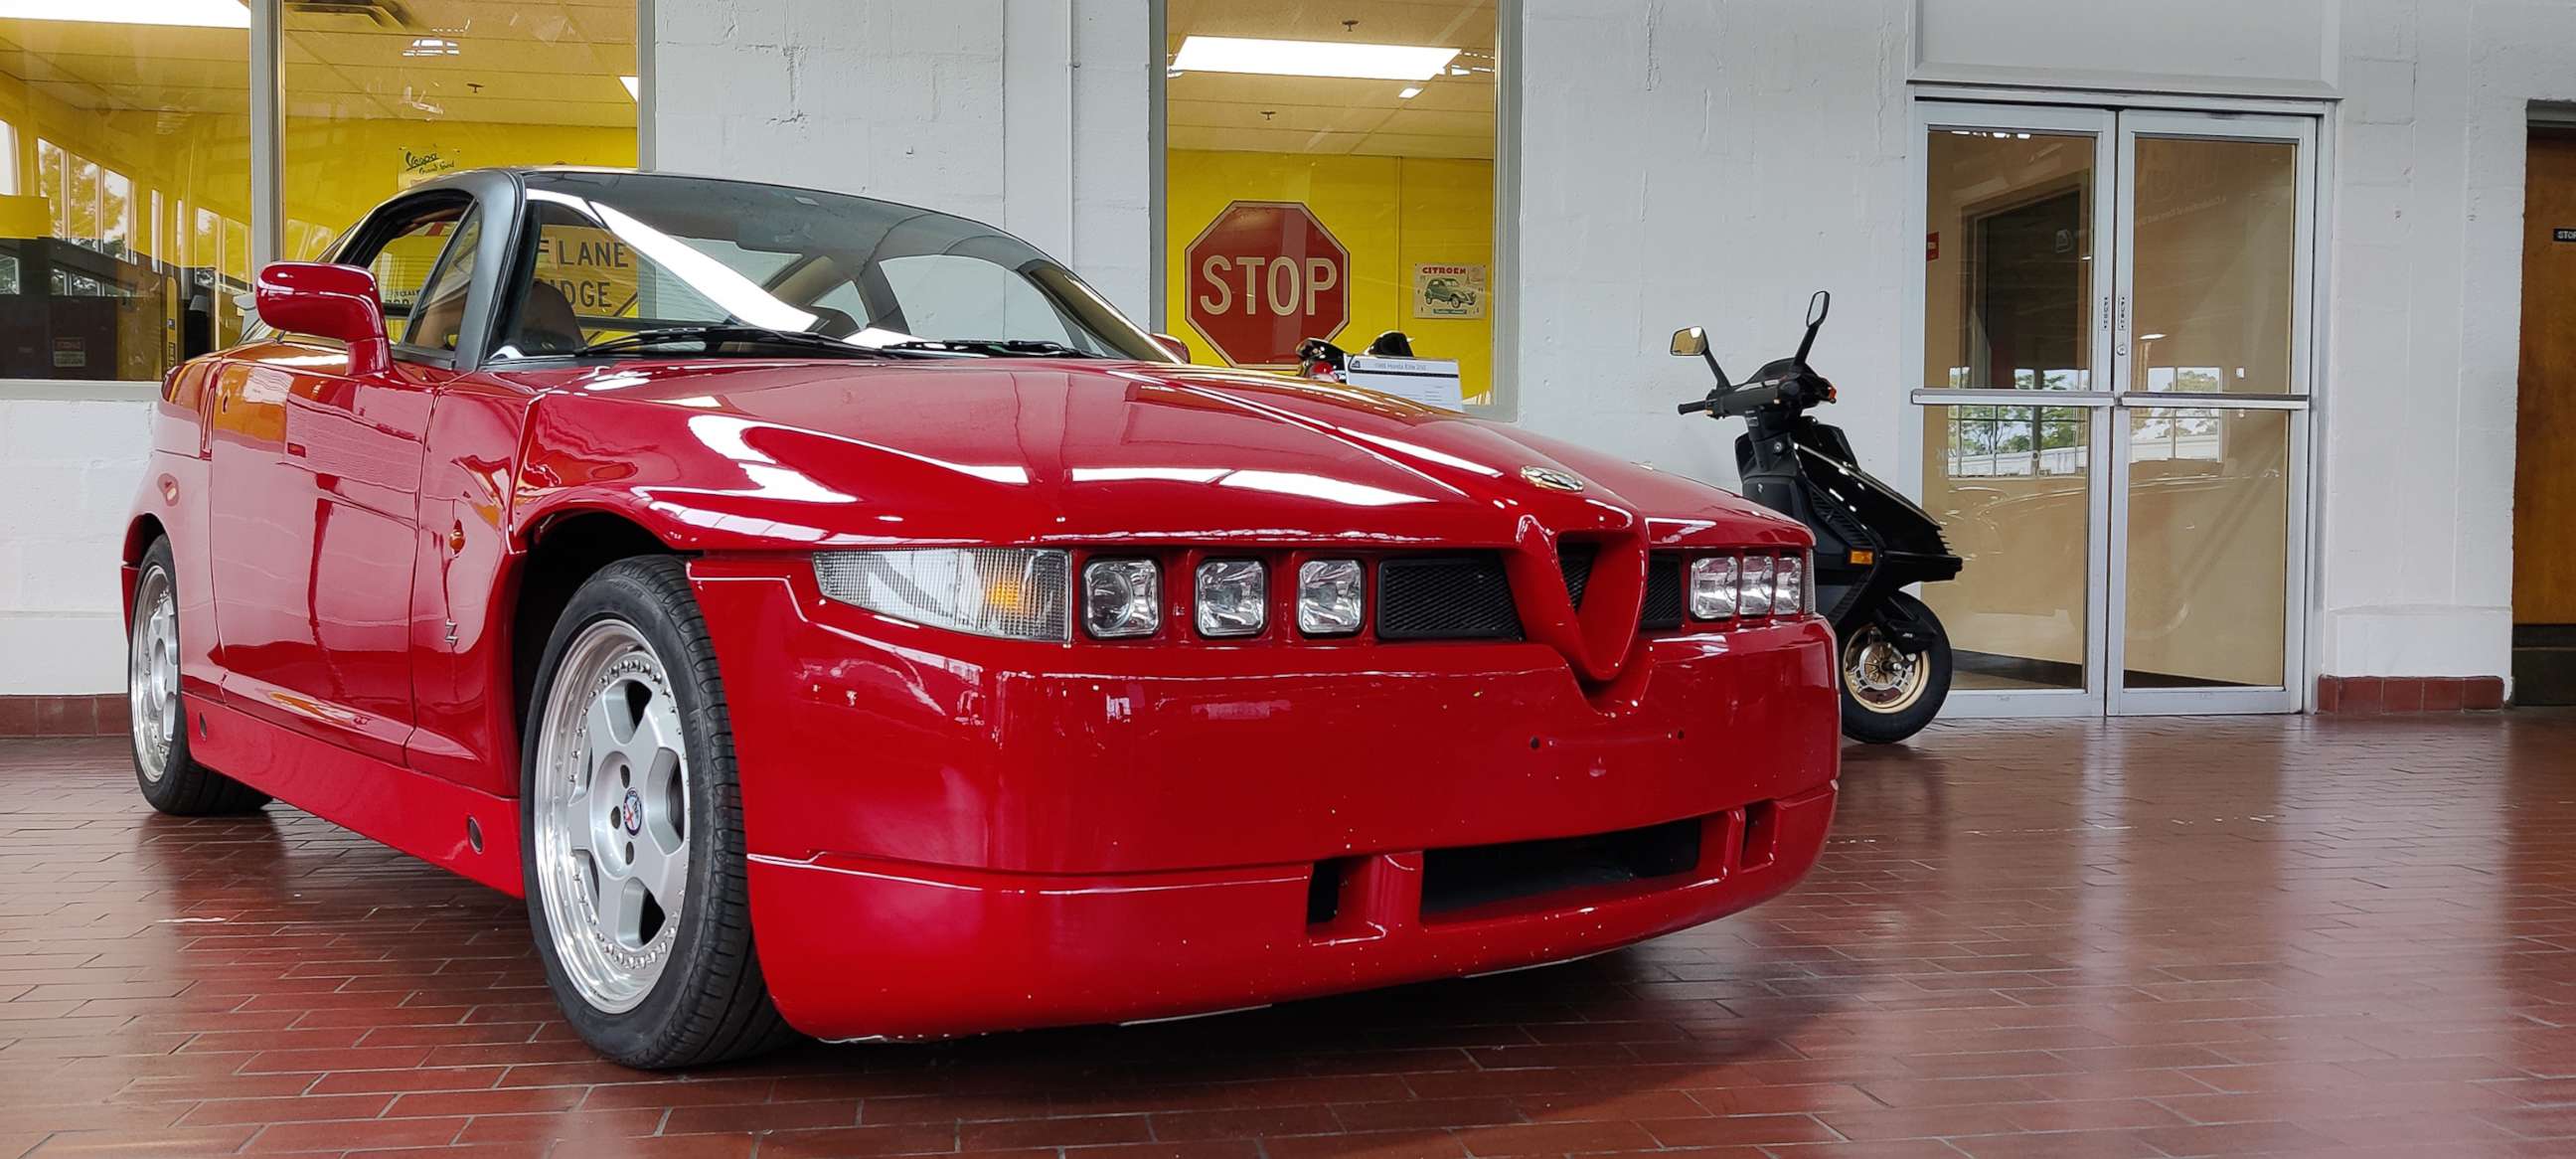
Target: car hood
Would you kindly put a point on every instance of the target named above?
(734, 453)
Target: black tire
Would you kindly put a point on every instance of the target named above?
(711, 1003)
(184, 788)
(1888, 725)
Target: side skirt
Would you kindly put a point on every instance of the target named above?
(431, 818)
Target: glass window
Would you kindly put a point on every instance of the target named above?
(403, 264)
(1330, 173)
(124, 191)
(621, 254)
(2008, 270)
(2217, 256)
(382, 97)
(438, 313)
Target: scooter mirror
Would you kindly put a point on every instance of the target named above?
(1690, 343)
(1818, 307)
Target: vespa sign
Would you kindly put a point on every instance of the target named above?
(1264, 276)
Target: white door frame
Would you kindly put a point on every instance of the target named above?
(2115, 124)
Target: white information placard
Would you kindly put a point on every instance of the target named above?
(1429, 381)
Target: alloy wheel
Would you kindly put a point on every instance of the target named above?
(152, 673)
(611, 815)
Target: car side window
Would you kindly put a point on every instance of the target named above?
(402, 265)
(438, 314)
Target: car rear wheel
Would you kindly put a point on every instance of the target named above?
(632, 831)
(171, 780)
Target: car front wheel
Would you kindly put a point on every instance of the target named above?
(632, 829)
(171, 780)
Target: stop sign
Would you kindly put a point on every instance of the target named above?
(1264, 276)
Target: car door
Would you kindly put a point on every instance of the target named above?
(316, 495)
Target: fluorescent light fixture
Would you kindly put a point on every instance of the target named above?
(184, 13)
(634, 87)
(1311, 58)
(433, 46)
(1410, 92)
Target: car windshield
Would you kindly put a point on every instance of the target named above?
(640, 264)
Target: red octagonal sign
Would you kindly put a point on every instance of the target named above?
(1264, 276)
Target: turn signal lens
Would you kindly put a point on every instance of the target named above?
(1008, 593)
(1121, 598)
(1329, 599)
(1712, 588)
(1789, 588)
(1233, 597)
(1755, 597)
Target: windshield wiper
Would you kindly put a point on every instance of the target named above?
(714, 336)
(1025, 347)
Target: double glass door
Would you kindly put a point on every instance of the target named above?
(2116, 372)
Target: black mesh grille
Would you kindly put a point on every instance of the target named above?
(1445, 597)
(1662, 611)
(1576, 560)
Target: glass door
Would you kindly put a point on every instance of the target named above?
(2211, 354)
(2088, 274)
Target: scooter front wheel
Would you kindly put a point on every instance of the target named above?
(1889, 695)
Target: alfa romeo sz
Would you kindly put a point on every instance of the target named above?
(834, 617)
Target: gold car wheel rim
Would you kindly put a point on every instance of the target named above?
(1879, 677)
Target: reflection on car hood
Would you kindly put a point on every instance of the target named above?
(744, 453)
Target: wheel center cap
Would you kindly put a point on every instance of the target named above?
(631, 813)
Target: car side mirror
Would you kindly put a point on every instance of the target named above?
(1178, 348)
(1690, 343)
(328, 301)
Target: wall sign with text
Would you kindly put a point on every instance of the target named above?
(1448, 291)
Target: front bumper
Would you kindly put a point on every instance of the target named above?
(855, 947)
(952, 835)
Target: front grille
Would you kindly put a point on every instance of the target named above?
(1662, 611)
(1575, 560)
(1446, 597)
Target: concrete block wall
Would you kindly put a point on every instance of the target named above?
(2424, 328)
(68, 474)
(1031, 114)
(1710, 164)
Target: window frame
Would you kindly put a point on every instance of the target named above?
(1502, 267)
(266, 227)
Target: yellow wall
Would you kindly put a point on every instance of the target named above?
(337, 170)
(1391, 213)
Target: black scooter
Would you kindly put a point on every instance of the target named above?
(1870, 541)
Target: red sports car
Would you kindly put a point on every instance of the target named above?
(833, 615)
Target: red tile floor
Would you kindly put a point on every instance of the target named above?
(2143, 938)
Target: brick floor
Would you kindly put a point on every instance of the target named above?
(2166, 938)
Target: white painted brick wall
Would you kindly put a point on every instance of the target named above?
(908, 100)
(68, 475)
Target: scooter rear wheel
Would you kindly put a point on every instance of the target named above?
(1889, 695)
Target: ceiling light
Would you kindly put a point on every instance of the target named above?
(634, 87)
(186, 13)
(1311, 58)
(432, 46)
(1409, 93)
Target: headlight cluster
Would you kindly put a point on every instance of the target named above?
(1229, 598)
(1727, 587)
(1029, 593)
